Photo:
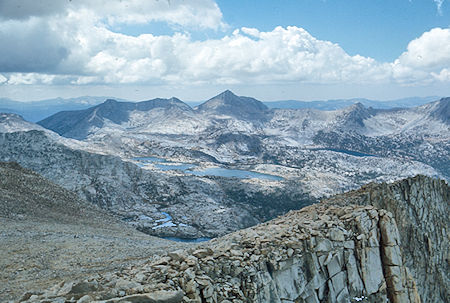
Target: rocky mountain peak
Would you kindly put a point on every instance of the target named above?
(227, 94)
(355, 114)
(109, 106)
(177, 102)
(357, 105)
(168, 104)
(227, 103)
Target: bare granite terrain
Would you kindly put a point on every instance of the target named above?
(47, 234)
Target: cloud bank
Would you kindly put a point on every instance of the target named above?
(72, 43)
(192, 13)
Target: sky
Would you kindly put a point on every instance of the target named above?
(271, 50)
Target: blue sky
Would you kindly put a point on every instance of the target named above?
(380, 29)
(292, 49)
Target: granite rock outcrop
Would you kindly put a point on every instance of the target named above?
(319, 254)
(420, 206)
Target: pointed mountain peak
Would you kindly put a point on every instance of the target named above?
(358, 109)
(108, 105)
(171, 103)
(177, 103)
(226, 97)
(175, 100)
(355, 114)
(227, 103)
(356, 106)
(227, 94)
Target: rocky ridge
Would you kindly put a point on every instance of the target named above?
(334, 251)
(318, 254)
(77, 126)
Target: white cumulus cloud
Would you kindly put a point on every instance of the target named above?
(73, 44)
(284, 54)
(425, 57)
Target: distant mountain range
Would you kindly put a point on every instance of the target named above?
(37, 110)
(313, 153)
(341, 103)
(234, 129)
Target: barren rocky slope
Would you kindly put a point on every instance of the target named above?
(47, 234)
(333, 251)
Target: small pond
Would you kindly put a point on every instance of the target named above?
(182, 166)
(165, 165)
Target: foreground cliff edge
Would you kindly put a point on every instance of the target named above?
(321, 253)
(334, 251)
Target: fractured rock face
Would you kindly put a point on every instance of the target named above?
(420, 208)
(319, 254)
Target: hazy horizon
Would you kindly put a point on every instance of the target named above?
(211, 96)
